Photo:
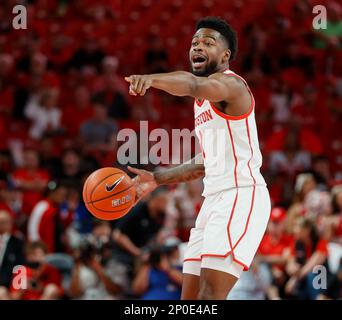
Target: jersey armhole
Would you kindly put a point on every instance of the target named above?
(243, 116)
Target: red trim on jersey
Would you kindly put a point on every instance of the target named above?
(201, 142)
(236, 186)
(250, 146)
(234, 153)
(199, 103)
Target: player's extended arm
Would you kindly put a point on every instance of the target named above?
(217, 87)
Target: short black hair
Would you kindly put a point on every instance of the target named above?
(226, 31)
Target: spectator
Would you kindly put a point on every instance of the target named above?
(156, 58)
(184, 206)
(11, 249)
(160, 278)
(280, 100)
(45, 223)
(96, 275)
(112, 90)
(31, 180)
(139, 228)
(252, 284)
(99, 132)
(322, 172)
(334, 287)
(44, 114)
(44, 280)
(88, 55)
(307, 251)
(75, 217)
(292, 159)
(49, 152)
(7, 199)
(274, 251)
(71, 168)
(333, 224)
(81, 105)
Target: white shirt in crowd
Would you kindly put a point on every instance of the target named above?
(42, 118)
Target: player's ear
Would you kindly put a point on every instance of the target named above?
(226, 56)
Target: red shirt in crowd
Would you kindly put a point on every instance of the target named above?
(30, 197)
(322, 247)
(37, 280)
(274, 247)
(269, 246)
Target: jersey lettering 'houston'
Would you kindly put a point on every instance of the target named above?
(229, 145)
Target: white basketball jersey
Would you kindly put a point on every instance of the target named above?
(230, 146)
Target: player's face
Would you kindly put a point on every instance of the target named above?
(208, 52)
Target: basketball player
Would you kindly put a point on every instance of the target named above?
(236, 209)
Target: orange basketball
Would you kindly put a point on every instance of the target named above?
(109, 193)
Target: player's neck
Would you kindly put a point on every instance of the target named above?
(223, 68)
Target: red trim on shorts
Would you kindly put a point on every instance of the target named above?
(250, 146)
(216, 255)
(192, 259)
(245, 267)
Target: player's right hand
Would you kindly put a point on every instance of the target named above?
(144, 183)
(139, 84)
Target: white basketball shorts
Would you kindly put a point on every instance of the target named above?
(228, 230)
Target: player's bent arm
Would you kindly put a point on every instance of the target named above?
(191, 170)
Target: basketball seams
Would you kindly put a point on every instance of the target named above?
(122, 208)
(94, 188)
(108, 215)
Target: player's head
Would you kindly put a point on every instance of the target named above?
(213, 45)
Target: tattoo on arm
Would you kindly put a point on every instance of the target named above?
(185, 172)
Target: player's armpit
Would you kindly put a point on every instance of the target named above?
(218, 87)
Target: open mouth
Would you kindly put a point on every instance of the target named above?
(198, 60)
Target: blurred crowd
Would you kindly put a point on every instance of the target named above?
(63, 100)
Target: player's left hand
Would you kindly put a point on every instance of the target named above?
(139, 84)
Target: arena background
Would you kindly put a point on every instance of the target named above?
(63, 100)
